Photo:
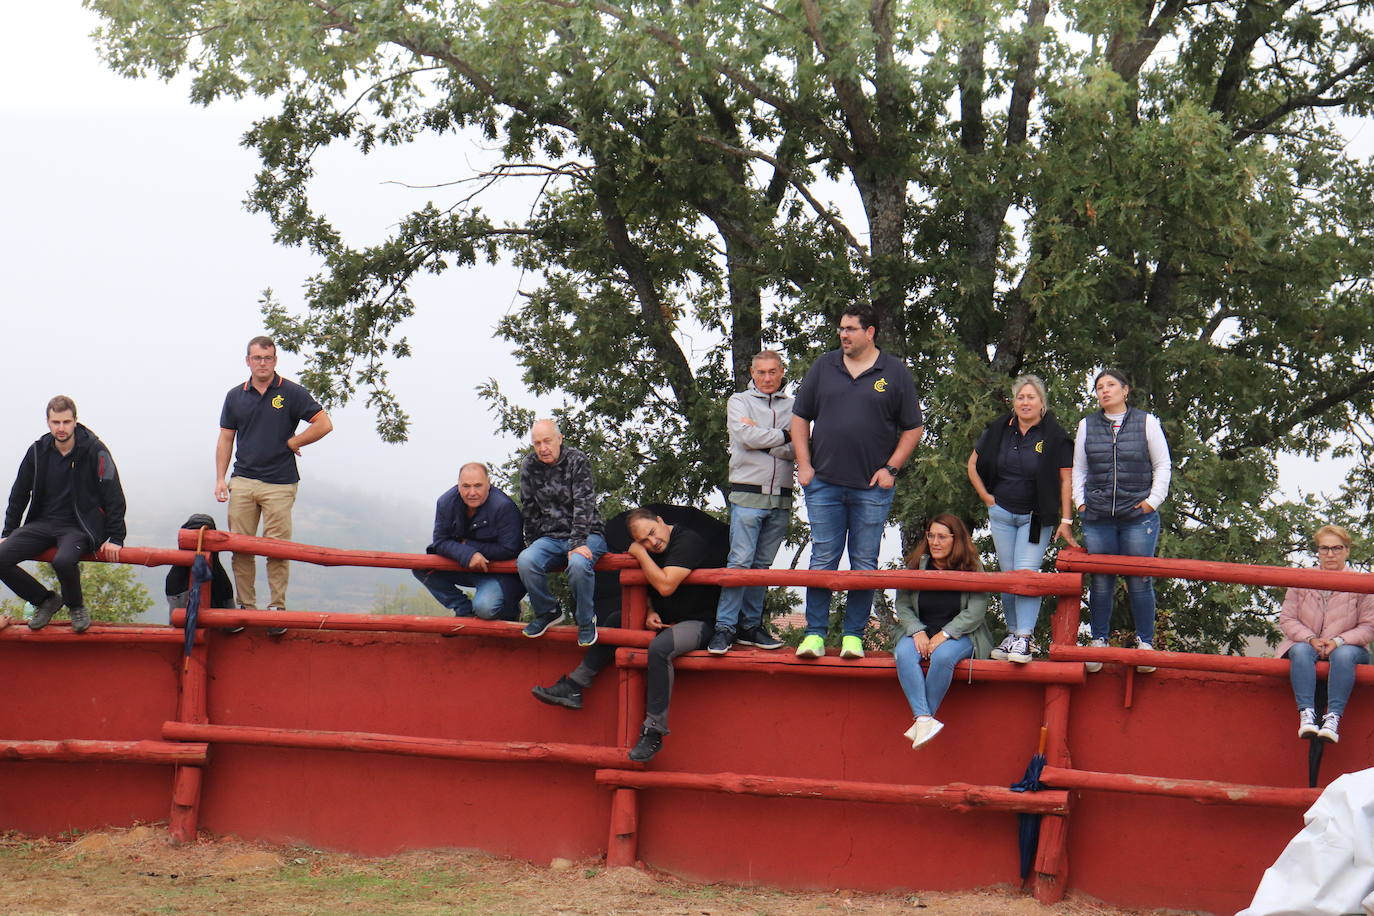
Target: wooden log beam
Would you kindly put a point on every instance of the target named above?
(956, 796)
(402, 745)
(1018, 583)
(1192, 661)
(1203, 791)
(875, 665)
(1021, 583)
(137, 556)
(100, 634)
(77, 750)
(1080, 561)
(184, 819)
(225, 618)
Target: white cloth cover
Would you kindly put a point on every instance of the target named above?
(1328, 868)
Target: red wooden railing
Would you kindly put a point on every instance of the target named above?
(185, 740)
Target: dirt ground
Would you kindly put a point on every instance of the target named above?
(139, 871)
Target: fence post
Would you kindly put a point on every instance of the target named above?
(184, 819)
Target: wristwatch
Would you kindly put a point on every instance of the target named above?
(892, 469)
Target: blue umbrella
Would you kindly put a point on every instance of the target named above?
(200, 574)
(1028, 825)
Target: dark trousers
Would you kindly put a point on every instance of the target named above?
(687, 636)
(27, 542)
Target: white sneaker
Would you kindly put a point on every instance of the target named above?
(1145, 669)
(1330, 730)
(1020, 651)
(1094, 667)
(1307, 723)
(1000, 653)
(910, 733)
(926, 727)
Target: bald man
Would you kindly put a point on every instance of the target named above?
(563, 530)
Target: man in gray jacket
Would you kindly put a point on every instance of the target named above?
(759, 420)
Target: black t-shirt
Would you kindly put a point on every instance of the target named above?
(263, 423)
(688, 550)
(59, 499)
(937, 609)
(1018, 463)
(856, 422)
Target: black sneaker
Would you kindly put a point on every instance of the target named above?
(759, 638)
(566, 692)
(276, 632)
(650, 743)
(238, 629)
(541, 622)
(42, 614)
(721, 641)
(81, 619)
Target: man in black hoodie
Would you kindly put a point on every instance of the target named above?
(70, 485)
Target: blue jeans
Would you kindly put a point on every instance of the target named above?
(547, 555)
(755, 536)
(494, 596)
(1136, 537)
(839, 514)
(1339, 681)
(1011, 535)
(925, 691)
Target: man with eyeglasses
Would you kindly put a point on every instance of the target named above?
(262, 414)
(855, 422)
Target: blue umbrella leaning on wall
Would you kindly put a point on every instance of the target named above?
(1028, 825)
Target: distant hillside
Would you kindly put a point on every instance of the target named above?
(325, 514)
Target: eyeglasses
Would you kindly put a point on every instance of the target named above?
(848, 330)
(939, 537)
(1332, 548)
(263, 359)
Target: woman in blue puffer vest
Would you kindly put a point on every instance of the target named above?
(1120, 477)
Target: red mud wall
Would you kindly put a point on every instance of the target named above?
(1130, 850)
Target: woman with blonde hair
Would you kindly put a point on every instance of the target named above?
(1330, 626)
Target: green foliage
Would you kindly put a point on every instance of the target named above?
(402, 599)
(111, 591)
(1167, 194)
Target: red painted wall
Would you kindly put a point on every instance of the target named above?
(1130, 850)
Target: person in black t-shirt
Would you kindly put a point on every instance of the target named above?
(262, 414)
(941, 627)
(684, 615)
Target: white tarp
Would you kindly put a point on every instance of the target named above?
(1328, 868)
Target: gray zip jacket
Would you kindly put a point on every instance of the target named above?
(761, 455)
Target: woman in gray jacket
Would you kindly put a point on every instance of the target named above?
(943, 628)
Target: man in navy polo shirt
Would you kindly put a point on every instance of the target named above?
(474, 524)
(262, 414)
(855, 422)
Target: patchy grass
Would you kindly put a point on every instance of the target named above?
(138, 871)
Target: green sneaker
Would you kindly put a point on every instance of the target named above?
(811, 647)
(851, 647)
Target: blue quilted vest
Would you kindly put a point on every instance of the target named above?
(1119, 470)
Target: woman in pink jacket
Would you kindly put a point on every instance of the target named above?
(1330, 626)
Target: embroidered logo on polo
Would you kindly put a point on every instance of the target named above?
(880, 385)
(279, 402)
(1040, 447)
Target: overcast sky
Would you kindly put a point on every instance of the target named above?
(132, 275)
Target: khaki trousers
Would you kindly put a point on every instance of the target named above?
(250, 502)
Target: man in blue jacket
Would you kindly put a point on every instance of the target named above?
(476, 524)
(69, 484)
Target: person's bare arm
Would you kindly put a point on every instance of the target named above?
(662, 580)
(801, 446)
(224, 449)
(320, 426)
(906, 444)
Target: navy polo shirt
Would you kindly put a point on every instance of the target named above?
(1018, 463)
(263, 423)
(856, 422)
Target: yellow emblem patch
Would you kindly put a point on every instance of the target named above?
(1040, 447)
(279, 402)
(880, 385)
